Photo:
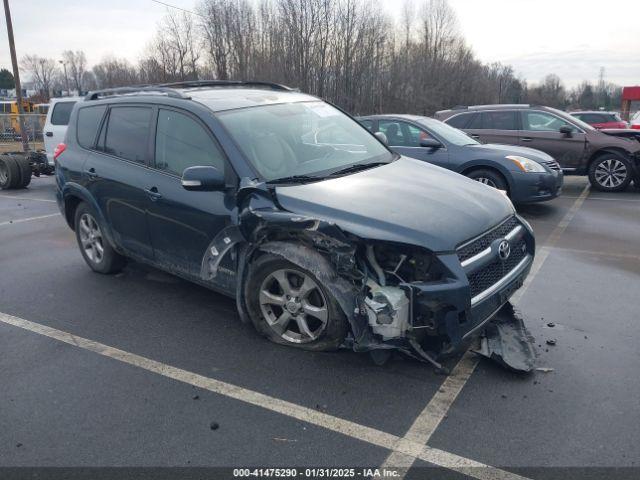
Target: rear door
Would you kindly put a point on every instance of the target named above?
(56, 126)
(404, 138)
(116, 172)
(540, 130)
(183, 223)
(499, 126)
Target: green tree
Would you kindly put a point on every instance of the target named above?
(6, 79)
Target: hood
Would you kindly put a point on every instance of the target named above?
(406, 201)
(504, 150)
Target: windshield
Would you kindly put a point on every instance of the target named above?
(570, 119)
(306, 138)
(447, 132)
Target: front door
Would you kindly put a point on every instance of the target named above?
(183, 223)
(540, 130)
(404, 138)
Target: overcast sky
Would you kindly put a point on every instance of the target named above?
(571, 38)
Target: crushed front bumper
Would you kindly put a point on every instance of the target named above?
(459, 306)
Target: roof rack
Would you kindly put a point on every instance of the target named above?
(225, 83)
(170, 92)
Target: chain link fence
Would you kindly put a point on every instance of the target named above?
(11, 126)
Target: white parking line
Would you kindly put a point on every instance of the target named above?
(428, 421)
(542, 253)
(15, 197)
(405, 446)
(30, 219)
(435, 411)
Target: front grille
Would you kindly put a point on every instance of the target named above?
(474, 247)
(552, 164)
(493, 273)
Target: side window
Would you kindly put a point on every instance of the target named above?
(476, 122)
(127, 133)
(460, 121)
(542, 122)
(415, 135)
(88, 124)
(393, 132)
(181, 142)
(368, 124)
(61, 113)
(499, 120)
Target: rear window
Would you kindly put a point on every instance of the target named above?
(88, 124)
(61, 113)
(127, 133)
(460, 121)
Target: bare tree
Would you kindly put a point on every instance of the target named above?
(42, 71)
(77, 65)
(114, 72)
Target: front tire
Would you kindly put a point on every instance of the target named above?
(290, 306)
(489, 178)
(610, 172)
(95, 248)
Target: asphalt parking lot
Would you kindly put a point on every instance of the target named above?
(143, 369)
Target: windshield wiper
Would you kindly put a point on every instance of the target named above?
(356, 168)
(295, 179)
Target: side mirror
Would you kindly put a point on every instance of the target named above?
(566, 130)
(382, 137)
(202, 179)
(430, 143)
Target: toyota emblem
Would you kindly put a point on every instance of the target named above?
(504, 250)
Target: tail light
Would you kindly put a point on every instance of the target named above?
(58, 151)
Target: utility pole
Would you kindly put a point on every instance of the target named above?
(16, 77)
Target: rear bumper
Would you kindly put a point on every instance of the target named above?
(536, 187)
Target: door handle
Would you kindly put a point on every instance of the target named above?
(153, 193)
(475, 136)
(49, 134)
(526, 139)
(91, 173)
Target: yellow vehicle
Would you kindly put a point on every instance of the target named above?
(10, 121)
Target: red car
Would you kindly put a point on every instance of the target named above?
(599, 120)
(635, 121)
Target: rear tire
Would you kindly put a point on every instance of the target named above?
(610, 172)
(488, 177)
(290, 306)
(25, 171)
(10, 176)
(94, 247)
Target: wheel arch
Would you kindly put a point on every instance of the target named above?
(74, 194)
(469, 167)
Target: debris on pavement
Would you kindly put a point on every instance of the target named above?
(551, 341)
(506, 341)
(551, 324)
(214, 426)
(544, 369)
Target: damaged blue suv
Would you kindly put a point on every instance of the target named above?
(322, 234)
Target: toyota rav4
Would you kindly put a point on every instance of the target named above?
(322, 234)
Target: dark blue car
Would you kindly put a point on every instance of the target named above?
(527, 175)
(323, 235)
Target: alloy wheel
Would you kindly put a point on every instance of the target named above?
(486, 181)
(611, 173)
(293, 305)
(91, 238)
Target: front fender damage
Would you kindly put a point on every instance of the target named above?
(380, 315)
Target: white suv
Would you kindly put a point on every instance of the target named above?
(56, 123)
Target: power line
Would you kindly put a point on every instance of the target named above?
(178, 8)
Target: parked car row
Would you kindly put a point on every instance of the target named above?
(611, 161)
